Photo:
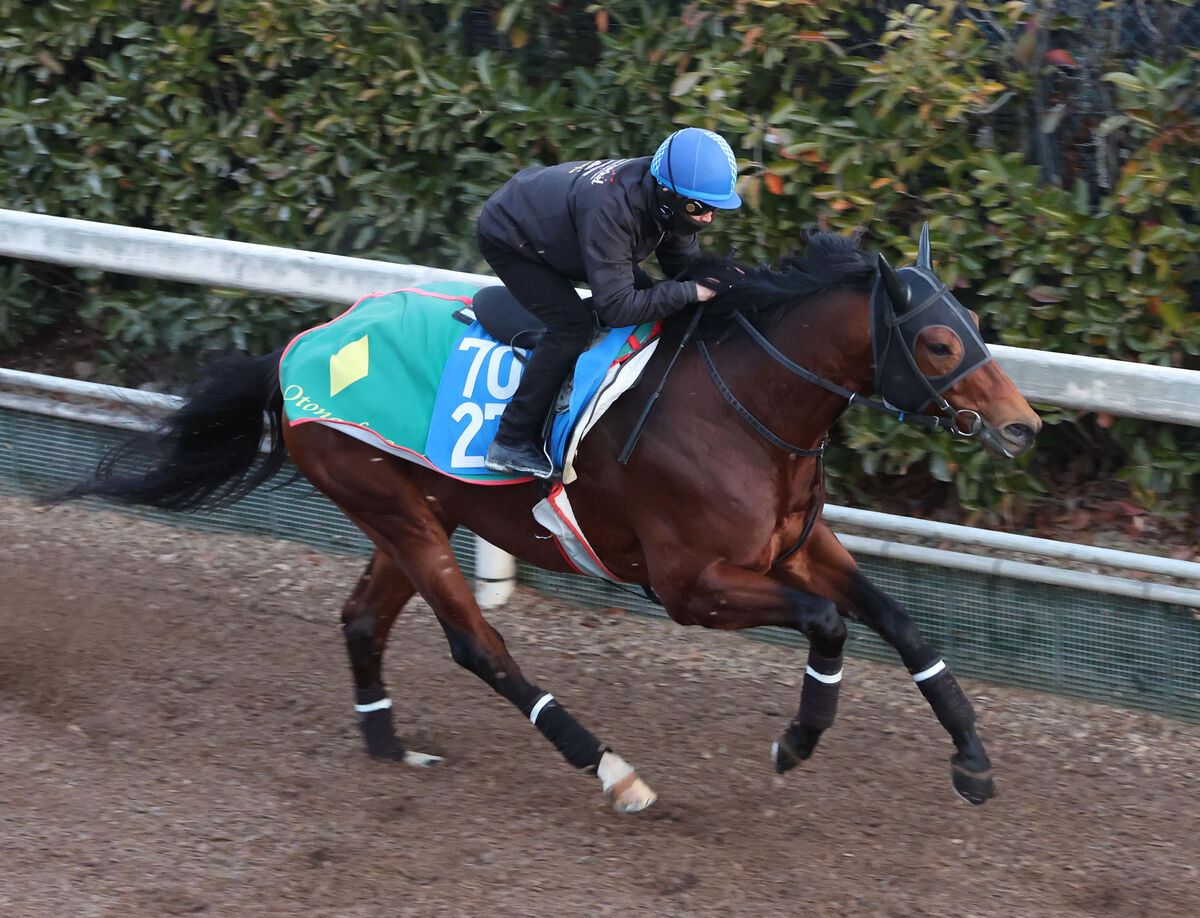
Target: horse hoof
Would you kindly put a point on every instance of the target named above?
(782, 759)
(785, 756)
(630, 795)
(975, 787)
(624, 789)
(420, 759)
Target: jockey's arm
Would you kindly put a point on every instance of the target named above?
(608, 260)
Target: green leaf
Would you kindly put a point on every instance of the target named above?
(134, 30)
(1124, 80)
(685, 83)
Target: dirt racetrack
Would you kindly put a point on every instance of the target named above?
(177, 738)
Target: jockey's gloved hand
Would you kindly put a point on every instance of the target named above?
(718, 274)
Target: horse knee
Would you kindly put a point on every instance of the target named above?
(359, 632)
(825, 628)
(462, 650)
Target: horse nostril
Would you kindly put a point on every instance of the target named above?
(1020, 434)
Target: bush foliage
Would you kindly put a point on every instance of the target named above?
(1058, 173)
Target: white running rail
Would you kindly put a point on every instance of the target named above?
(1066, 381)
(496, 570)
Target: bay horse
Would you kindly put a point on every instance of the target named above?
(716, 509)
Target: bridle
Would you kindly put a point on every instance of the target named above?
(903, 389)
(896, 324)
(895, 342)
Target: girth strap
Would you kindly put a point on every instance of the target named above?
(818, 506)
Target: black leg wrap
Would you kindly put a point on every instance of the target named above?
(819, 698)
(818, 708)
(376, 726)
(970, 769)
(369, 695)
(951, 706)
(577, 745)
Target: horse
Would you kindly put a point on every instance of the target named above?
(711, 503)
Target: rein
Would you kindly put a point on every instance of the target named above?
(771, 438)
(948, 420)
(882, 307)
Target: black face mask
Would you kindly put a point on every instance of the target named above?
(896, 326)
(674, 208)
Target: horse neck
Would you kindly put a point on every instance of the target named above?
(829, 336)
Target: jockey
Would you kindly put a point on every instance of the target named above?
(552, 226)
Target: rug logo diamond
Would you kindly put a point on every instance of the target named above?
(348, 365)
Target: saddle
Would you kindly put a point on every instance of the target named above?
(504, 318)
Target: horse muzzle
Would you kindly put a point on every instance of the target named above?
(1009, 440)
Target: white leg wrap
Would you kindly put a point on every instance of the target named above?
(821, 677)
(381, 705)
(929, 673)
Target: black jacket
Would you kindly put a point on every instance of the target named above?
(596, 221)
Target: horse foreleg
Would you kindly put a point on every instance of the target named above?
(825, 565)
(727, 597)
(971, 770)
(367, 618)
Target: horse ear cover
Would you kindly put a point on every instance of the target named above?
(923, 259)
(897, 290)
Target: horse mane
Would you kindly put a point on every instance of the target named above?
(763, 294)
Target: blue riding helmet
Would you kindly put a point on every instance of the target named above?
(699, 165)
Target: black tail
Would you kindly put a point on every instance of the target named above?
(205, 454)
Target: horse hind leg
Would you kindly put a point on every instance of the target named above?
(367, 619)
(477, 646)
(418, 548)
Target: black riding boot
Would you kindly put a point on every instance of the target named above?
(518, 445)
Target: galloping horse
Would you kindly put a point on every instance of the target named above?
(717, 509)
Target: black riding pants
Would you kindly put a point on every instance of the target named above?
(569, 325)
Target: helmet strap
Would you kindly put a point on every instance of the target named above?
(667, 201)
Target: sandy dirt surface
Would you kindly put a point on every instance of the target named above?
(177, 738)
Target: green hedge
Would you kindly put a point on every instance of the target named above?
(378, 129)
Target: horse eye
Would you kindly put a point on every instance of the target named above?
(940, 350)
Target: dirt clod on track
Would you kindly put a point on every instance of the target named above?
(177, 738)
